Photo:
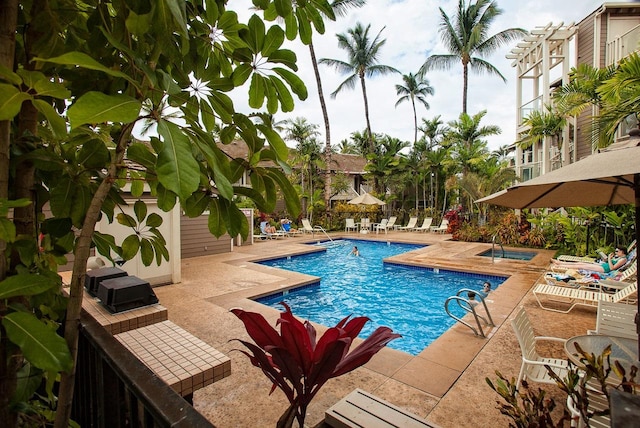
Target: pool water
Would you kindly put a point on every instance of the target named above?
(510, 254)
(409, 300)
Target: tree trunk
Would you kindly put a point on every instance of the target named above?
(372, 148)
(81, 254)
(415, 123)
(327, 131)
(465, 82)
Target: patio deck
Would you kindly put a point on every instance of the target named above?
(445, 384)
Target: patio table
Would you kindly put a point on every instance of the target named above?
(623, 349)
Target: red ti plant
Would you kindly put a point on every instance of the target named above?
(297, 364)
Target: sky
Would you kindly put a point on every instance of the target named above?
(411, 33)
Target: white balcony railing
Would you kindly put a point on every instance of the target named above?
(533, 105)
(621, 47)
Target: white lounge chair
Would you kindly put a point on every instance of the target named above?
(584, 297)
(444, 225)
(426, 225)
(307, 228)
(390, 224)
(350, 224)
(616, 319)
(533, 365)
(410, 225)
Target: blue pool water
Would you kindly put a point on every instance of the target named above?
(510, 254)
(409, 300)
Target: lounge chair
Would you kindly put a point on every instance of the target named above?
(533, 365)
(444, 225)
(616, 319)
(365, 224)
(584, 297)
(410, 225)
(307, 228)
(264, 235)
(574, 279)
(350, 224)
(426, 225)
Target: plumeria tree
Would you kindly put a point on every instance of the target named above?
(299, 364)
(75, 79)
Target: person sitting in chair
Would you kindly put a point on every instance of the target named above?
(614, 261)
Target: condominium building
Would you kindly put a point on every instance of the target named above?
(543, 61)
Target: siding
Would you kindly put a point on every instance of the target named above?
(196, 240)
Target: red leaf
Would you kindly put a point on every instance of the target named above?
(295, 338)
(311, 331)
(261, 360)
(330, 336)
(354, 326)
(367, 349)
(258, 328)
(323, 369)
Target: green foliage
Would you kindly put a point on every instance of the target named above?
(85, 75)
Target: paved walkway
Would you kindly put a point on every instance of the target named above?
(444, 384)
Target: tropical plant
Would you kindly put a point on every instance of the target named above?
(542, 125)
(75, 78)
(414, 88)
(467, 36)
(298, 364)
(363, 55)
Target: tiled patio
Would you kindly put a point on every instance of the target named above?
(444, 384)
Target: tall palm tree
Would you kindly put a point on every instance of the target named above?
(340, 8)
(363, 56)
(466, 36)
(414, 88)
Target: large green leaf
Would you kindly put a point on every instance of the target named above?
(140, 153)
(105, 243)
(240, 74)
(56, 122)
(38, 342)
(93, 154)
(11, 100)
(272, 41)
(177, 169)
(286, 57)
(130, 247)
(7, 230)
(255, 38)
(285, 97)
(146, 252)
(26, 284)
(256, 91)
(79, 59)
(296, 84)
(304, 26)
(140, 209)
(215, 221)
(283, 7)
(96, 107)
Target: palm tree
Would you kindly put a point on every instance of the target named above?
(363, 62)
(414, 88)
(542, 125)
(340, 8)
(466, 137)
(466, 36)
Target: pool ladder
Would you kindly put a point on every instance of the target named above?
(468, 307)
(320, 229)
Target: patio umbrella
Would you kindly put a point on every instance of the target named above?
(366, 199)
(611, 177)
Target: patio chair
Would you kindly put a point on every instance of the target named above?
(350, 224)
(380, 226)
(533, 365)
(581, 296)
(616, 319)
(426, 225)
(595, 279)
(389, 225)
(410, 225)
(444, 225)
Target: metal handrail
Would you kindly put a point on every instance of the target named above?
(493, 245)
(468, 307)
(321, 229)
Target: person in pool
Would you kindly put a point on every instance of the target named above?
(614, 261)
(486, 289)
(355, 251)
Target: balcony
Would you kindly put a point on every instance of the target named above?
(533, 105)
(623, 46)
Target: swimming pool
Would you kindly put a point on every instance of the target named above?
(409, 300)
(509, 254)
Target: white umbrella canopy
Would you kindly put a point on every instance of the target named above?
(366, 199)
(611, 177)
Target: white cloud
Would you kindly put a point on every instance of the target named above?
(411, 30)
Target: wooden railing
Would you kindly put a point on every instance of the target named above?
(114, 389)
